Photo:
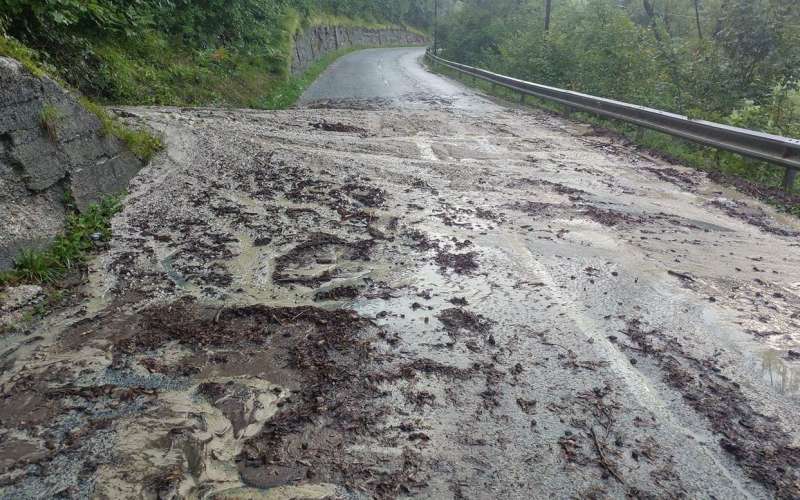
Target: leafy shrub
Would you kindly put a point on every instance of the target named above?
(744, 71)
(180, 52)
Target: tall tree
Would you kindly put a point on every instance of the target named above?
(547, 7)
(697, 18)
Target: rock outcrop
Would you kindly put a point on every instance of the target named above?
(313, 43)
(51, 148)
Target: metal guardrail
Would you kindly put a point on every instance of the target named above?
(776, 149)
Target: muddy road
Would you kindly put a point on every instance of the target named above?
(423, 294)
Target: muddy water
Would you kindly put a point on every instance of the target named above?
(430, 304)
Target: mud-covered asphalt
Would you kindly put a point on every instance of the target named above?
(416, 299)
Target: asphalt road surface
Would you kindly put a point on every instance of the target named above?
(374, 78)
(404, 289)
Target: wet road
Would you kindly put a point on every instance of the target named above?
(388, 77)
(409, 296)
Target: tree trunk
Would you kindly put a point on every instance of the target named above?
(651, 15)
(547, 5)
(697, 18)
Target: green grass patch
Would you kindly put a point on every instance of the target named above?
(286, 94)
(49, 118)
(83, 232)
(28, 58)
(141, 142)
(691, 154)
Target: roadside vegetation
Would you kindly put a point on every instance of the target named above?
(179, 52)
(84, 233)
(730, 61)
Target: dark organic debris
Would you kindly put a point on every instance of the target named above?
(754, 216)
(338, 127)
(609, 217)
(421, 241)
(460, 263)
(763, 450)
(674, 176)
(320, 251)
(342, 292)
(457, 320)
(193, 325)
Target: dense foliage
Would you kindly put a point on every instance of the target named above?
(181, 51)
(734, 61)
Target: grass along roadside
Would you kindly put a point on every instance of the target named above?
(83, 234)
(755, 178)
(141, 142)
(287, 94)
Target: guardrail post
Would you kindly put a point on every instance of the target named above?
(789, 179)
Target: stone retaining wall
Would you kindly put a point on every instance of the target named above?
(40, 165)
(315, 42)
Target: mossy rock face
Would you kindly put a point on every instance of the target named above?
(50, 145)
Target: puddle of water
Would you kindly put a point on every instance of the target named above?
(769, 365)
(172, 273)
(209, 440)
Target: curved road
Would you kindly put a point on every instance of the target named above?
(388, 77)
(403, 289)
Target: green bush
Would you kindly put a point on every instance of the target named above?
(743, 71)
(180, 52)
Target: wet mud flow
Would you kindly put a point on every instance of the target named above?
(440, 299)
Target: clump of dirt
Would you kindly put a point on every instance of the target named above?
(335, 408)
(370, 104)
(574, 193)
(763, 450)
(460, 263)
(338, 127)
(339, 293)
(457, 320)
(489, 215)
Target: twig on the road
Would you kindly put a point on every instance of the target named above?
(682, 276)
(607, 466)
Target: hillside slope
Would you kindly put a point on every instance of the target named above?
(184, 54)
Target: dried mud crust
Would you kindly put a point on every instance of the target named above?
(763, 450)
